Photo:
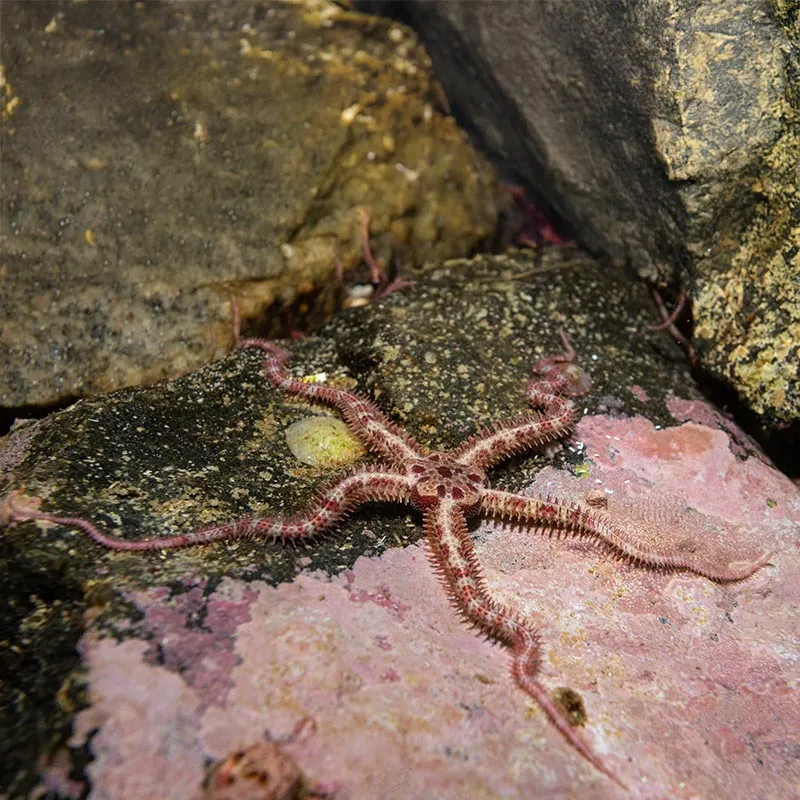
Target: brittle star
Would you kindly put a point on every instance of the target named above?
(447, 487)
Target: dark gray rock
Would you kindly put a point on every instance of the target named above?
(158, 158)
(667, 135)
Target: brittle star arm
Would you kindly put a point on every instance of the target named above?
(331, 504)
(363, 418)
(453, 558)
(596, 526)
(555, 417)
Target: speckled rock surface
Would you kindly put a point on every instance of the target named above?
(690, 687)
(159, 157)
(667, 134)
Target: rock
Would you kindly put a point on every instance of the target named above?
(159, 158)
(667, 135)
(136, 671)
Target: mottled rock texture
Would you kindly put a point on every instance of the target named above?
(667, 134)
(159, 157)
(136, 674)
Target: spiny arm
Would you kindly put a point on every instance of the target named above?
(505, 439)
(597, 526)
(330, 505)
(453, 557)
(555, 417)
(364, 418)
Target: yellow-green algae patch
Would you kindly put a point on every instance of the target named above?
(323, 442)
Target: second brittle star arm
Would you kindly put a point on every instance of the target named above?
(504, 439)
(331, 504)
(555, 416)
(453, 557)
(364, 418)
(597, 526)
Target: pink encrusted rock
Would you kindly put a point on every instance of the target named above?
(690, 687)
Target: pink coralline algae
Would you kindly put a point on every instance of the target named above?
(690, 687)
(204, 654)
(639, 393)
(703, 413)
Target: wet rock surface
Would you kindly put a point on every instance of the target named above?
(161, 157)
(667, 136)
(240, 640)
